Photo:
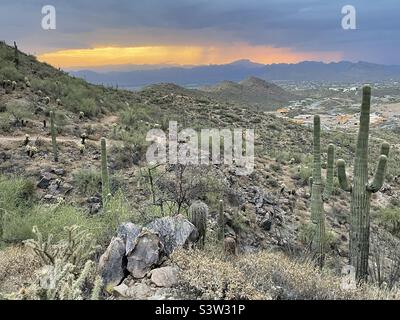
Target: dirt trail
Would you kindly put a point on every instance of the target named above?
(4, 140)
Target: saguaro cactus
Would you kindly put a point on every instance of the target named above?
(221, 221)
(198, 212)
(53, 136)
(16, 57)
(105, 182)
(361, 190)
(319, 194)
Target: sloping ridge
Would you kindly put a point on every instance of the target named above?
(251, 91)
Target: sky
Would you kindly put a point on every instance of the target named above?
(92, 34)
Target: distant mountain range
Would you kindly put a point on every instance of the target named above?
(197, 76)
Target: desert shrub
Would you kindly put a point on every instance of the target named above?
(284, 157)
(390, 219)
(50, 220)
(307, 232)
(128, 154)
(118, 211)
(276, 167)
(87, 181)
(9, 72)
(134, 115)
(264, 275)
(16, 194)
(272, 182)
(17, 266)
(212, 278)
(304, 174)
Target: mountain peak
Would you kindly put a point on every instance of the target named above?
(245, 63)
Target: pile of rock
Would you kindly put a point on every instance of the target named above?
(139, 251)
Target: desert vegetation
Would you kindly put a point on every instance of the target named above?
(84, 216)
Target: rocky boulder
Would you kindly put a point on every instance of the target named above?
(174, 232)
(111, 264)
(144, 255)
(137, 249)
(164, 276)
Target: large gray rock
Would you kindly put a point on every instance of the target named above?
(145, 254)
(174, 232)
(164, 276)
(129, 232)
(111, 263)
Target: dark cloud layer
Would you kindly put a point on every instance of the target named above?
(304, 25)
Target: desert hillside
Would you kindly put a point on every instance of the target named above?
(110, 226)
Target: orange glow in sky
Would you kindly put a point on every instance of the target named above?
(179, 55)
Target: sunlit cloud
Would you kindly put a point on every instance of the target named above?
(180, 55)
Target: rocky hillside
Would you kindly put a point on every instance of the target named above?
(267, 211)
(252, 92)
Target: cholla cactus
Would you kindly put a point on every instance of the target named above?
(46, 100)
(13, 85)
(198, 213)
(82, 148)
(79, 247)
(62, 282)
(66, 267)
(31, 150)
(53, 136)
(27, 82)
(83, 138)
(361, 190)
(58, 101)
(81, 115)
(7, 85)
(26, 141)
(318, 195)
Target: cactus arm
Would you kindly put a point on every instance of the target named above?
(379, 177)
(329, 174)
(385, 147)
(342, 176)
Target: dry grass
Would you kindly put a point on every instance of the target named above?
(17, 268)
(265, 275)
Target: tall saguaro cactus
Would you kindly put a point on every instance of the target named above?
(105, 182)
(361, 190)
(318, 193)
(16, 57)
(221, 221)
(53, 136)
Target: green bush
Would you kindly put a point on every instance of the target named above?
(88, 181)
(390, 219)
(307, 232)
(9, 72)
